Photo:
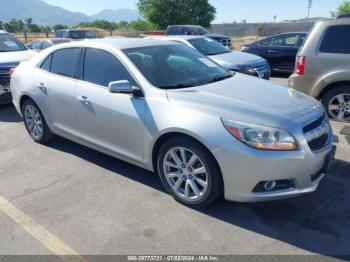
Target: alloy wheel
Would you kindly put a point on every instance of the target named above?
(33, 122)
(339, 107)
(185, 173)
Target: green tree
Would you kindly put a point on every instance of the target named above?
(1, 25)
(169, 12)
(123, 25)
(141, 25)
(14, 26)
(59, 27)
(343, 9)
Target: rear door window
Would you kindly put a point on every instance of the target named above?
(285, 41)
(336, 40)
(101, 68)
(64, 62)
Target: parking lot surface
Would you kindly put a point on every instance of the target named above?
(63, 197)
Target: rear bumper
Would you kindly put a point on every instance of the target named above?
(303, 84)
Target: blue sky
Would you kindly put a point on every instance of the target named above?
(227, 10)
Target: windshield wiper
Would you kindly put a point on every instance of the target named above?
(176, 86)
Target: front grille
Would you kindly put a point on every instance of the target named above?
(226, 42)
(314, 124)
(317, 133)
(4, 77)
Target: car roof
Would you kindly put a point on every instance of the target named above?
(3, 32)
(119, 43)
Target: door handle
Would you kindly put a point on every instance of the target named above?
(272, 51)
(83, 99)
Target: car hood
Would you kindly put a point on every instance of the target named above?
(19, 56)
(234, 58)
(248, 99)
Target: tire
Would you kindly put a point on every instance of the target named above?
(332, 101)
(34, 120)
(209, 185)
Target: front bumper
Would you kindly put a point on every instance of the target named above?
(5, 95)
(245, 168)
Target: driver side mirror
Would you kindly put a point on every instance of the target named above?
(123, 87)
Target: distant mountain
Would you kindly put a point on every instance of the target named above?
(117, 15)
(45, 14)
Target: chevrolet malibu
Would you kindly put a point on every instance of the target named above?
(165, 107)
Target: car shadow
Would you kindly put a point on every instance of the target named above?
(8, 114)
(318, 222)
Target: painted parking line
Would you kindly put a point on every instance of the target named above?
(50, 241)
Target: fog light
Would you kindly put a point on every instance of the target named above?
(270, 185)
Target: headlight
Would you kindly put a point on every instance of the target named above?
(248, 70)
(261, 137)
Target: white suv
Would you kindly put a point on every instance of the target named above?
(12, 52)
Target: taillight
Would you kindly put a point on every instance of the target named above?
(12, 70)
(300, 67)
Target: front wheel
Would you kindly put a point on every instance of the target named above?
(337, 103)
(189, 172)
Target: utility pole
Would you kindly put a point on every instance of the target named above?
(309, 8)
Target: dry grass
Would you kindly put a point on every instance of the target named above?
(239, 41)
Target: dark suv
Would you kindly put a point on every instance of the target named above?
(198, 30)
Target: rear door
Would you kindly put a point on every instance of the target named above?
(282, 52)
(56, 83)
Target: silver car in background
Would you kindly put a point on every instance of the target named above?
(165, 107)
(231, 60)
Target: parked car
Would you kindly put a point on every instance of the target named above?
(168, 108)
(12, 52)
(76, 34)
(231, 60)
(39, 45)
(280, 51)
(323, 67)
(198, 30)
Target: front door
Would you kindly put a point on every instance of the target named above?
(114, 122)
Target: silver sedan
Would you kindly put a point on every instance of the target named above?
(163, 106)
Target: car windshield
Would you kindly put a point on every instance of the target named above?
(81, 34)
(175, 66)
(9, 43)
(208, 46)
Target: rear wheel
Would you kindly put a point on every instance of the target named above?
(337, 103)
(189, 172)
(35, 123)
